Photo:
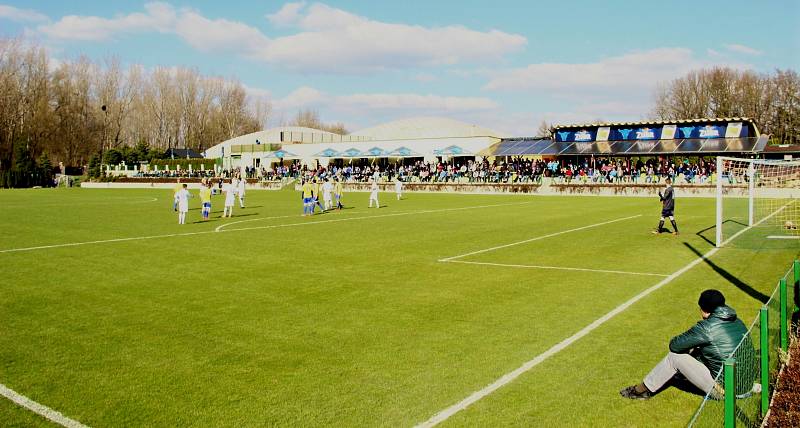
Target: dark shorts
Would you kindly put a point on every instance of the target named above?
(667, 213)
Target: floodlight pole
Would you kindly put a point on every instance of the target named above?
(104, 108)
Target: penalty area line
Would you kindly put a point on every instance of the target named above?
(555, 349)
(39, 409)
(782, 237)
(447, 259)
(622, 272)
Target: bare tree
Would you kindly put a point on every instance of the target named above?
(545, 129)
(772, 100)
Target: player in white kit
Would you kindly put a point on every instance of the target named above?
(230, 197)
(398, 188)
(240, 191)
(327, 190)
(182, 201)
(373, 194)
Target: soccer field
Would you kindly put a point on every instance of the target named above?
(114, 315)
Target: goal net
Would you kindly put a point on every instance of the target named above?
(759, 198)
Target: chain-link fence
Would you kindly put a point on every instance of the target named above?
(741, 396)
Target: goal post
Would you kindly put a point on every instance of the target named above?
(760, 194)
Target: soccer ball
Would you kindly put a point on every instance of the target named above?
(789, 225)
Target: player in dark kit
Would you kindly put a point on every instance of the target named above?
(667, 208)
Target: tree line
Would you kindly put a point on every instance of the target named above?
(771, 99)
(72, 111)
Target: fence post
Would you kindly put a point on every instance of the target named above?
(784, 324)
(796, 287)
(730, 393)
(764, 321)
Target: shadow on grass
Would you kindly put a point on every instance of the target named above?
(701, 232)
(239, 215)
(752, 292)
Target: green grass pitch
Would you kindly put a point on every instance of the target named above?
(349, 318)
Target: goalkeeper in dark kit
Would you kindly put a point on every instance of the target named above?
(667, 208)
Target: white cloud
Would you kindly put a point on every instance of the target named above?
(210, 35)
(742, 49)
(158, 17)
(326, 38)
(613, 88)
(288, 15)
(307, 97)
(633, 71)
(21, 15)
(416, 102)
(259, 93)
(338, 40)
(303, 98)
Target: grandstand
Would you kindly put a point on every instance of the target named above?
(439, 139)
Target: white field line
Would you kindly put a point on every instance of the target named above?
(511, 376)
(782, 237)
(556, 268)
(398, 214)
(537, 238)
(220, 227)
(39, 409)
(305, 223)
(72, 204)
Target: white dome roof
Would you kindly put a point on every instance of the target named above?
(426, 127)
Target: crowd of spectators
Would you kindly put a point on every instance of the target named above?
(521, 170)
(516, 170)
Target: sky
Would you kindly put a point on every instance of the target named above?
(504, 65)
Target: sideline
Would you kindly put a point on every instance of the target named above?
(124, 201)
(39, 409)
(205, 232)
(555, 349)
(555, 268)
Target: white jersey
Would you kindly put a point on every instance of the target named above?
(374, 191)
(240, 188)
(182, 197)
(327, 188)
(398, 186)
(230, 194)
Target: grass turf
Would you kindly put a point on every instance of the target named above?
(351, 321)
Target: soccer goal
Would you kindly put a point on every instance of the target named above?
(759, 194)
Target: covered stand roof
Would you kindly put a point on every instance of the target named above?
(694, 136)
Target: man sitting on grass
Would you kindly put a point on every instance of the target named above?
(697, 355)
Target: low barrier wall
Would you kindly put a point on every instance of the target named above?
(545, 189)
(169, 183)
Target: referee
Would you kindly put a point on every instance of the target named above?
(667, 208)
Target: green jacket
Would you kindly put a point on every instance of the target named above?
(713, 340)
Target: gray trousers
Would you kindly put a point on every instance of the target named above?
(694, 371)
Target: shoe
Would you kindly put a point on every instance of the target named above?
(630, 392)
(655, 232)
(675, 233)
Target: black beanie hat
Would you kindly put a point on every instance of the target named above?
(710, 300)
